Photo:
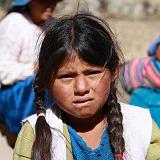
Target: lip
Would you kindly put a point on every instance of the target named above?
(83, 100)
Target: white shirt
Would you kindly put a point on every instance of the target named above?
(18, 39)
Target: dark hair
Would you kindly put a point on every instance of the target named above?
(51, 1)
(93, 41)
(157, 45)
(19, 9)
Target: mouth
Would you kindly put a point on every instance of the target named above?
(83, 100)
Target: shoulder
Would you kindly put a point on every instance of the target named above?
(154, 147)
(137, 134)
(24, 142)
(136, 115)
(14, 18)
(136, 110)
(53, 118)
(12, 24)
(56, 125)
(14, 15)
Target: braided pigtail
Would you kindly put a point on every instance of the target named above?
(115, 127)
(42, 145)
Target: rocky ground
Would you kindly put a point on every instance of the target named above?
(134, 37)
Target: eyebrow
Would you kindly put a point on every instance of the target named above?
(84, 71)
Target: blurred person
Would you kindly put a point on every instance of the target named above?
(141, 79)
(153, 49)
(19, 32)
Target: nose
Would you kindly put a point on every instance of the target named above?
(50, 8)
(81, 86)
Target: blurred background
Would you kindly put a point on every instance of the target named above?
(136, 24)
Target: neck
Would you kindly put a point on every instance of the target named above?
(86, 124)
(89, 128)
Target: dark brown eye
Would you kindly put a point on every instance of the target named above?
(94, 72)
(65, 76)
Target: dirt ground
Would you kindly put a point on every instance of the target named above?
(134, 38)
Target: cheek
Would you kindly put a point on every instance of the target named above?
(103, 89)
(61, 92)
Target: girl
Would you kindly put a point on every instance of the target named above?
(19, 31)
(78, 63)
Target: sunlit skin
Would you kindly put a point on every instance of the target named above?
(81, 89)
(41, 11)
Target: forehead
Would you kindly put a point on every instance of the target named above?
(74, 62)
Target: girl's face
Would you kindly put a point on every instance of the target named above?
(41, 10)
(81, 89)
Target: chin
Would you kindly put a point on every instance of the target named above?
(46, 17)
(84, 116)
